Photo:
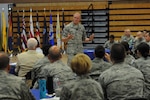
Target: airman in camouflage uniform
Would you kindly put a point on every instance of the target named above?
(110, 42)
(11, 87)
(147, 38)
(41, 63)
(83, 87)
(74, 34)
(138, 39)
(127, 37)
(121, 80)
(129, 59)
(57, 69)
(143, 64)
(98, 64)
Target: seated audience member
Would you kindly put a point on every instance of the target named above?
(83, 87)
(26, 60)
(143, 64)
(127, 37)
(57, 69)
(121, 80)
(147, 38)
(138, 39)
(38, 49)
(41, 63)
(98, 64)
(135, 98)
(11, 87)
(110, 42)
(129, 59)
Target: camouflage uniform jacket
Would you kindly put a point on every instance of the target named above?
(83, 88)
(122, 81)
(108, 44)
(74, 45)
(13, 88)
(98, 66)
(129, 59)
(57, 69)
(38, 65)
(144, 66)
(130, 40)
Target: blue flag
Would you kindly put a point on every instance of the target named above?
(51, 34)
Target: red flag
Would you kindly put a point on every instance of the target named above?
(31, 25)
(37, 29)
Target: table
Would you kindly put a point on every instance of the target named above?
(36, 94)
(90, 52)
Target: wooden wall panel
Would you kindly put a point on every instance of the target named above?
(53, 8)
(135, 16)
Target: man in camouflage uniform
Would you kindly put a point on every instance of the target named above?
(129, 59)
(127, 37)
(138, 39)
(121, 80)
(147, 38)
(57, 69)
(40, 63)
(11, 87)
(110, 42)
(143, 64)
(98, 64)
(74, 34)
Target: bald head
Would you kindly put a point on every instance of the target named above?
(32, 43)
(54, 53)
(139, 35)
(4, 61)
(76, 18)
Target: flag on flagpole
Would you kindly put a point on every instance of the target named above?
(31, 25)
(19, 33)
(10, 48)
(4, 33)
(45, 35)
(51, 34)
(63, 25)
(23, 34)
(0, 36)
(37, 28)
(58, 31)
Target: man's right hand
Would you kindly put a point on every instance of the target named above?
(70, 36)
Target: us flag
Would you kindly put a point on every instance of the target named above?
(23, 34)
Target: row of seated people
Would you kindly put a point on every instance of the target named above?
(127, 37)
(129, 83)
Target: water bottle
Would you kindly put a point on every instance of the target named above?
(56, 86)
(42, 87)
(56, 83)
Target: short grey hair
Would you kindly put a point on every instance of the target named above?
(32, 43)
